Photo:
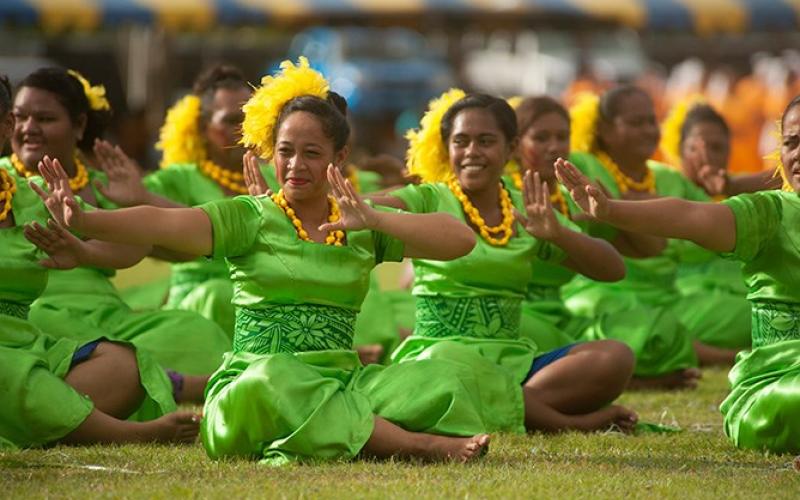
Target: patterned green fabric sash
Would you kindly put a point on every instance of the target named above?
(484, 317)
(14, 309)
(775, 322)
(540, 293)
(293, 328)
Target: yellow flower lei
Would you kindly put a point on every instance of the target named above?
(224, 177)
(671, 128)
(583, 117)
(625, 183)
(262, 110)
(179, 139)
(96, 95)
(490, 234)
(556, 199)
(334, 238)
(76, 183)
(427, 154)
(8, 186)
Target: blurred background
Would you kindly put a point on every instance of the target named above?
(388, 58)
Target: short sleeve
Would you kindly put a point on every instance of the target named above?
(235, 223)
(171, 183)
(419, 199)
(387, 248)
(758, 217)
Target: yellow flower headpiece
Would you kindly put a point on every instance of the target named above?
(584, 115)
(672, 125)
(262, 110)
(427, 153)
(515, 101)
(95, 95)
(512, 167)
(776, 157)
(179, 138)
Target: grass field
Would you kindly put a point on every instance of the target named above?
(696, 463)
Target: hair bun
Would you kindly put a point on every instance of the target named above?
(215, 75)
(338, 102)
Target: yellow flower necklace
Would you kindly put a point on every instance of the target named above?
(7, 189)
(625, 183)
(334, 237)
(224, 177)
(556, 199)
(76, 183)
(488, 233)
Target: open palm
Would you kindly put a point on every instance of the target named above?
(540, 220)
(592, 200)
(58, 198)
(63, 249)
(354, 214)
(124, 186)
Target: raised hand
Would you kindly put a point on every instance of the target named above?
(590, 198)
(124, 185)
(714, 180)
(63, 249)
(354, 214)
(256, 185)
(540, 219)
(59, 199)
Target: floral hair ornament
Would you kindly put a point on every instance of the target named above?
(261, 112)
(96, 95)
(427, 154)
(584, 115)
(672, 126)
(179, 139)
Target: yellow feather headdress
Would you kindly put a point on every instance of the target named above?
(776, 157)
(427, 153)
(262, 110)
(584, 115)
(179, 138)
(96, 95)
(671, 128)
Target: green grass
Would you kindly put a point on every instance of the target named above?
(698, 462)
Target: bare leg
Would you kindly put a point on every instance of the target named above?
(193, 390)
(180, 426)
(110, 377)
(370, 354)
(681, 379)
(388, 440)
(710, 355)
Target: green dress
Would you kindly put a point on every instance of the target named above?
(203, 285)
(83, 304)
(292, 388)
(38, 407)
(761, 412)
(474, 300)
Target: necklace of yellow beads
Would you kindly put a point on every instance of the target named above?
(334, 238)
(556, 199)
(234, 181)
(625, 183)
(76, 183)
(494, 235)
(8, 187)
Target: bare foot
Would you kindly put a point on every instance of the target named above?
(193, 390)
(613, 415)
(680, 379)
(444, 448)
(370, 354)
(175, 427)
(709, 355)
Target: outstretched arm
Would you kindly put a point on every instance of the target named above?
(710, 225)
(435, 236)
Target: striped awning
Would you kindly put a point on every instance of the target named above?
(699, 16)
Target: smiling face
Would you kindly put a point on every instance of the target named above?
(302, 155)
(43, 127)
(224, 127)
(545, 141)
(632, 135)
(790, 147)
(478, 149)
(706, 143)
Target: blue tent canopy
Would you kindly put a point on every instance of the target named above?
(699, 16)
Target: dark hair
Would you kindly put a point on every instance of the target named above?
(331, 112)
(69, 92)
(702, 113)
(218, 77)
(794, 102)
(611, 101)
(5, 95)
(533, 108)
(503, 113)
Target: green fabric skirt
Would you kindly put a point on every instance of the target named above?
(82, 304)
(276, 404)
(763, 409)
(547, 321)
(39, 407)
(209, 294)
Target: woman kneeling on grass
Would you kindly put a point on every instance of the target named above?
(760, 230)
(293, 388)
